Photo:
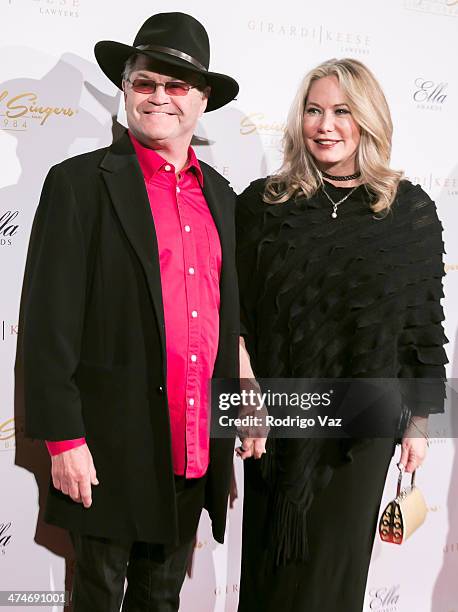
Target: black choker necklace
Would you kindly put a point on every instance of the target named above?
(349, 177)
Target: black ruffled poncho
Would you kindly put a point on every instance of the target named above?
(354, 297)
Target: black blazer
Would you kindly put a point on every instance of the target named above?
(93, 343)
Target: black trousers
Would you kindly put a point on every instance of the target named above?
(155, 574)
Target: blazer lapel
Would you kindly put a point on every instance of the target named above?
(124, 179)
(215, 202)
(213, 199)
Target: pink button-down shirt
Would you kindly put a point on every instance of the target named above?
(190, 266)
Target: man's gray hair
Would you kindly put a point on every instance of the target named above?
(129, 66)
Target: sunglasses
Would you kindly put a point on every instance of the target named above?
(172, 88)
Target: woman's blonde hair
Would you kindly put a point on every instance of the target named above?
(299, 174)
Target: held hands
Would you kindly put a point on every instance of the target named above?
(73, 473)
(254, 446)
(251, 447)
(414, 444)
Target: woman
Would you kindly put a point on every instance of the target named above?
(340, 265)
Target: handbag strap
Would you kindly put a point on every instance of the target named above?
(412, 481)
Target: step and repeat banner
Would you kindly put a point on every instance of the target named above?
(56, 103)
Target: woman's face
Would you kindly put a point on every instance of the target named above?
(331, 134)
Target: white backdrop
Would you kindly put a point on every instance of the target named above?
(55, 103)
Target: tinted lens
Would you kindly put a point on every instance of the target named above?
(177, 89)
(172, 88)
(144, 86)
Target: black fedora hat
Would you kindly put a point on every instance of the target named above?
(175, 39)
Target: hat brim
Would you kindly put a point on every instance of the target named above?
(112, 56)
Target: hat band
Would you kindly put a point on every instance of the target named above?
(176, 53)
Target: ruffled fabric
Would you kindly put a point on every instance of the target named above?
(354, 297)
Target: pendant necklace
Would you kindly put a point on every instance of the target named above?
(339, 202)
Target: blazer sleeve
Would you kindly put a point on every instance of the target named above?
(52, 311)
(421, 350)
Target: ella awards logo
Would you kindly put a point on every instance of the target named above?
(384, 599)
(18, 109)
(429, 95)
(5, 537)
(8, 227)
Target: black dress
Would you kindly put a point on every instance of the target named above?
(352, 297)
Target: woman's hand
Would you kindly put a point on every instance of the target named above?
(414, 444)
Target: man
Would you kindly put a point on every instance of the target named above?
(130, 306)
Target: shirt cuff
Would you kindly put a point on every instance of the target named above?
(55, 448)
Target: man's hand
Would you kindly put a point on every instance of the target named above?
(73, 473)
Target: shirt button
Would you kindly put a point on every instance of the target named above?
(167, 167)
(194, 314)
(191, 270)
(178, 190)
(187, 228)
(191, 401)
(193, 357)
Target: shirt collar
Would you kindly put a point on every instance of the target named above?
(151, 162)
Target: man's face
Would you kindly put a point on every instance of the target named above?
(160, 118)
